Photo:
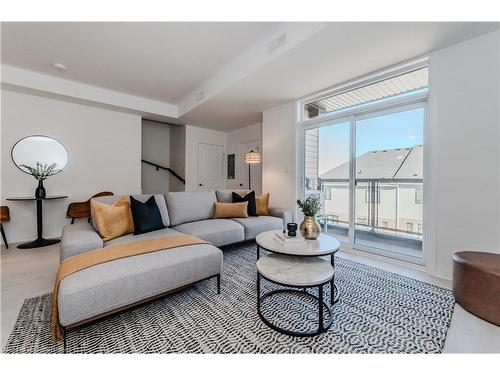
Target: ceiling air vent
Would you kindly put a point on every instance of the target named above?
(199, 95)
(276, 43)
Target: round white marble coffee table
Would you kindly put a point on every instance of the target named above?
(322, 246)
(295, 272)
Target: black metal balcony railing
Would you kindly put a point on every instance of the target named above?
(328, 219)
(380, 207)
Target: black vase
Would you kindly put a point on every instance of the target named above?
(40, 190)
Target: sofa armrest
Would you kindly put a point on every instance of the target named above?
(283, 213)
(78, 238)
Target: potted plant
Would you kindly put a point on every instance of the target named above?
(309, 228)
(41, 172)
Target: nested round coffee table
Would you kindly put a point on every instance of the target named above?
(322, 246)
(295, 272)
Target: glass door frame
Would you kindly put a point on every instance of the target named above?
(420, 101)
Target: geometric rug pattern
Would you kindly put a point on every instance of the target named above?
(378, 312)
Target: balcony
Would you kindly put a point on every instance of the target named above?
(387, 214)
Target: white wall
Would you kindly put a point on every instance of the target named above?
(234, 140)
(464, 142)
(177, 156)
(104, 154)
(156, 149)
(463, 152)
(194, 136)
(279, 175)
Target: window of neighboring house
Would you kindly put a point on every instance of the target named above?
(335, 218)
(385, 224)
(419, 226)
(418, 195)
(328, 194)
(409, 227)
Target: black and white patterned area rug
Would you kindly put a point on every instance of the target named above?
(378, 312)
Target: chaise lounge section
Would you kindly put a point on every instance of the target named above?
(114, 286)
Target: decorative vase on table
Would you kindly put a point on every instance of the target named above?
(40, 190)
(41, 172)
(309, 228)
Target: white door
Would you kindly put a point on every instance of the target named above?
(243, 169)
(210, 167)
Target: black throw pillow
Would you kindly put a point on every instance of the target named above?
(146, 216)
(250, 198)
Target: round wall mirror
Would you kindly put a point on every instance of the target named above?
(40, 152)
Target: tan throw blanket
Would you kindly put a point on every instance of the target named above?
(107, 254)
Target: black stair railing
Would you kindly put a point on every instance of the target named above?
(158, 167)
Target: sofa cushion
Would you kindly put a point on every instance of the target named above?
(159, 198)
(219, 232)
(256, 225)
(187, 206)
(226, 196)
(144, 236)
(108, 286)
(78, 238)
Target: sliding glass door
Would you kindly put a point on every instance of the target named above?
(388, 181)
(364, 157)
(368, 171)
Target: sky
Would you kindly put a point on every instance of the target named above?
(397, 130)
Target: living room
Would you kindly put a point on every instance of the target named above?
(242, 187)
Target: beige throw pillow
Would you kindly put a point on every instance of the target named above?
(230, 210)
(262, 203)
(114, 220)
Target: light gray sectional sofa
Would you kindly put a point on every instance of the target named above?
(117, 285)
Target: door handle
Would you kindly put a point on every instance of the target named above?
(201, 185)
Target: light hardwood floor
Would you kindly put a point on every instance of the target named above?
(30, 273)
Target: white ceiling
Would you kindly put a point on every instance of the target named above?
(338, 53)
(168, 61)
(156, 60)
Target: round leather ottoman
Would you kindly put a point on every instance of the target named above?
(476, 284)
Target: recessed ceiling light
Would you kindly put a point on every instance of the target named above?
(60, 67)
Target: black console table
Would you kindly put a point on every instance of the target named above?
(40, 241)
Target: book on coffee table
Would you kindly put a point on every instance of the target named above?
(286, 240)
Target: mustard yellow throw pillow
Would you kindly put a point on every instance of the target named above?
(114, 220)
(262, 203)
(229, 210)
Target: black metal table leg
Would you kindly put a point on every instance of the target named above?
(258, 252)
(40, 241)
(258, 291)
(334, 297)
(320, 301)
(322, 325)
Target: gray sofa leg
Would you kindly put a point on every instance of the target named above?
(218, 283)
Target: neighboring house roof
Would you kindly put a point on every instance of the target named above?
(400, 163)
